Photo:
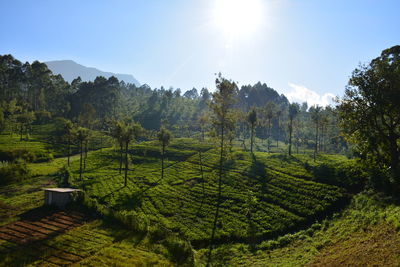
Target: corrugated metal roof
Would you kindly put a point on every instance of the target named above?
(61, 190)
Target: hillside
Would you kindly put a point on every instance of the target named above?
(70, 70)
(363, 234)
(285, 196)
(276, 210)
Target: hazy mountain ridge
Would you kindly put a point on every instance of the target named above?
(70, 70)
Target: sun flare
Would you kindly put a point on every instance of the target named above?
(238, 17)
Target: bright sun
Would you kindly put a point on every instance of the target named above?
(238, 17)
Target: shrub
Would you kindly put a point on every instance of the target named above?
(349, 175)
(156, 233)
(65, 176)
(180, 250)
(42, 117)
(14, 172)
(25, 154)
(133, 220)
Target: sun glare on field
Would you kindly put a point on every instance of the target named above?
(238, 18)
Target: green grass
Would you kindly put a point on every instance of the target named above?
(287, 198)
(288, 194)
(17, 198)
(365, 233)
(43, 140)
(94, 244)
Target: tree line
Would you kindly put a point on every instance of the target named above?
(30, 93)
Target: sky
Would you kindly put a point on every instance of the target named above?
(306, 49)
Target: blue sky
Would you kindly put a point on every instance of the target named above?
(305, 49)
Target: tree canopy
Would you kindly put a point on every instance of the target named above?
(370, 111)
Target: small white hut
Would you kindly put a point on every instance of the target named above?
(59, 197)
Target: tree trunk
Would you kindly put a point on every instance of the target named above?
(316, 140)
(221, 162)
(252, 138)
(290, 136)
(269, 136)
(162, 161)
(394, 159)
(202, 182)
(120, 157)
(80, 162)
(86, 151)
(69, 149)
(278, 134)
(20, 132)
(126, 164)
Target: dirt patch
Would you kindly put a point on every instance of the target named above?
(377, 246)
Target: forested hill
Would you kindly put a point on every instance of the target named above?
(31, 91)
(70, 70)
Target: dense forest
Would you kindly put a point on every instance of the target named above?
(30, 93)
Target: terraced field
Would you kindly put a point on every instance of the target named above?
(32, 234)
(263, 196)
(63, 238)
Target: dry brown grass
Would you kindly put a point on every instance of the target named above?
(377, 246)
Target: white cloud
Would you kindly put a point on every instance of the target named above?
(300, 94)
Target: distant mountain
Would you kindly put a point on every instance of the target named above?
(70, 70)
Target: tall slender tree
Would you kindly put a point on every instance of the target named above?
(82, 134)
(131, 131)
(315, 115)
(278, 115)
(223, 122)
(252, 120)
(69, 130)
(270, 111)
(293, 111)
(164, 137)
(117, 132)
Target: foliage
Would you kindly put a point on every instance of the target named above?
(29, 155)
(64, 175)
(369, 112)
(14, 172)
(366, 225)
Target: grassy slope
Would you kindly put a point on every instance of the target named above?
(42, 140)
(284, 201)
(364, 234)
(287, 196)
(107, 245)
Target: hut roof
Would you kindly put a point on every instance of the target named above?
(62, 190)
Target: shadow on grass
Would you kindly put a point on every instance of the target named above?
(130, 201)
(286, 158)
(257, 171)
(26, 241)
